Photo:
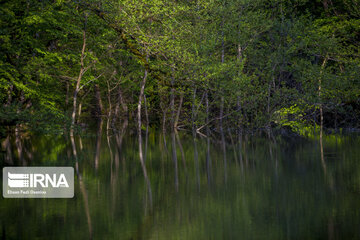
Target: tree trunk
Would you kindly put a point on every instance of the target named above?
(79, 111)
(109, 110)
(179, 110)
(99, 105)
(6, 144)
(18, 144)
(146, 112)
(172, 98)
(320, 89)
(77, 87)
(193, 114)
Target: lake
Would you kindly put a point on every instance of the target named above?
(196, 188)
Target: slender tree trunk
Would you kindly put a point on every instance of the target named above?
(120, 101)
(238, 107)
(193, 114)
(207, 112)
(268, 111)
(109, 110)
(67, 94)
(321, 115)
(99, 106)
(222, 102)
(146, 112)
(221, 114)
(116, 113)
(179, 110)
(77, 87)
(79, 112)
(172, 99)
(320, 89)
(6, 144)
(18, 144)
(164, 121)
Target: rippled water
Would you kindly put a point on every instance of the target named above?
(256, 189)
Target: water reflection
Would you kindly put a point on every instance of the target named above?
(258, 188)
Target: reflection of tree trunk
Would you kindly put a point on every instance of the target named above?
(98, 144)
(331, 232)
(146, 141)
(239, 135)
(323, 163)
(114, 175)
(141, 95)
(174, 157)
(6, 144)
(181, 151)
(86, 205)
(147, 128)
(196, 158)
(119, 138)
(82, 187)
(233, 146)
(223, 144)
(208, 159)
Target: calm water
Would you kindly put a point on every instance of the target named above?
(256, 189)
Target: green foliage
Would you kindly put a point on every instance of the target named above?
(261, 57)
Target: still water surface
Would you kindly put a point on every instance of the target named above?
(256, 189)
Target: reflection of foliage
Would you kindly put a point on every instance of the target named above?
(278, 191)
